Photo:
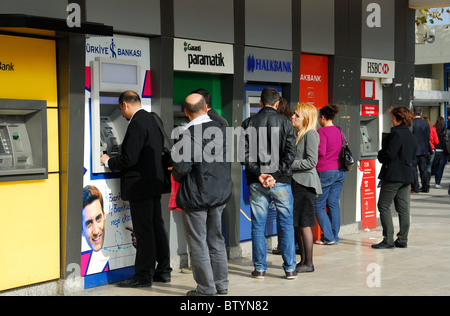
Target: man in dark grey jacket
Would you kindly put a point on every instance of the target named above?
(205, 187)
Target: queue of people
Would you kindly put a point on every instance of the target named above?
(301, 174)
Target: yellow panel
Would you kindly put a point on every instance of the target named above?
(29, 232)
(32, 69)
(53, 142)
(28, 31)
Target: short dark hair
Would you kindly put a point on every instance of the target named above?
(270, 96)
(130, 97)
(196, 107)
(418, 111)
(205, 95)
(90, 194)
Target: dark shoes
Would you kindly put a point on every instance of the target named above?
(161, 278)
(196, 293)
(258, 274)
(134, 283)
(399, 244)
(290, 275)
(304, 269)
(385, 245)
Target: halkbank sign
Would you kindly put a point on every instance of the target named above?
(267, 65)
(203, 57)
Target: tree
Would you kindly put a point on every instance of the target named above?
(430, 15)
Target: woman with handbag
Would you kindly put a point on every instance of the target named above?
(397, 155)
(306, 183)
(332, 176)
(441, 152)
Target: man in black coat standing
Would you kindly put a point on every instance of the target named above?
(142, 185)
(421, 131)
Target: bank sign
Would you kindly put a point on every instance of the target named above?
(375, 68)
(203, 57)
(267, 65)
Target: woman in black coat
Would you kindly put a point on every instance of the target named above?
(397, 155)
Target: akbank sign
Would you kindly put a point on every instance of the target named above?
(267, 65)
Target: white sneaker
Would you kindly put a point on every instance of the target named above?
(437, 186)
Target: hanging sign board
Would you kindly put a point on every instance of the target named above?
(202, 57)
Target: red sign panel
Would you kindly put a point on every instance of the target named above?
(369, 110)
(314, 80)
(368, 195)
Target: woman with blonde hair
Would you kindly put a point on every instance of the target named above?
(306, 183)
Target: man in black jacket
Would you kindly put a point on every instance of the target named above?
(268, 172)
(205, 187)
(421, 131)
(142, 184)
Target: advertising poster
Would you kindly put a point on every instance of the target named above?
(106, 241)
(314, 80)
(368, 195)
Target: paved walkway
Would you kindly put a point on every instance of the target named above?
(350, 268)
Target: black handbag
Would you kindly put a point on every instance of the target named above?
(346, 155)
(166, 158)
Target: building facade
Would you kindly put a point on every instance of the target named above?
(77, 56)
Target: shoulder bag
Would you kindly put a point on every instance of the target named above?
(166, 158)
(346, 155)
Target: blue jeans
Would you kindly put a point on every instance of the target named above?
(260, 198)
(330, 219)
(439, 163)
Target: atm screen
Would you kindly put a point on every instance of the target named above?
(254, 105)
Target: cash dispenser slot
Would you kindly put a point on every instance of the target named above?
(23, 140)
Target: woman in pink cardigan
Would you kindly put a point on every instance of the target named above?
(331, 174)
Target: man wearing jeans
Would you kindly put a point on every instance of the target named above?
(270, 149)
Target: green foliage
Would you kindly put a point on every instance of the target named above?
(431, 15)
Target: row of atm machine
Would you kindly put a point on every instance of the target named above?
(23, 133)
(23, 137)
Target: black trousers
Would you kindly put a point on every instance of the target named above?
(421, 162)
(152, 242)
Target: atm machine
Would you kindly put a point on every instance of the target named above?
(252, 95)
(23, 140)
(369, 129)
(110, 78)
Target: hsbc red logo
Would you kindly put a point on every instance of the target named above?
(377, 68)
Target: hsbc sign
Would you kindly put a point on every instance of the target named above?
(374, 68)
(377, 68)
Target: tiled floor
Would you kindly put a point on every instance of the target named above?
(350, 268)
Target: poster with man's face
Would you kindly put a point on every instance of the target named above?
(106, 244)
